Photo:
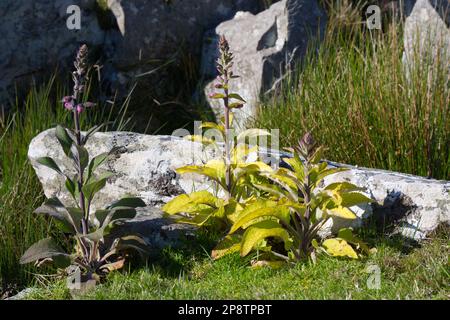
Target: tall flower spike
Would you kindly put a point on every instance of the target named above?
(79, 75)
(306, 145)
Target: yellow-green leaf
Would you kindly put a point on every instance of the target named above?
(262, 209)
(267, 263)
(212, 125)
(228, 245)
(347, 235)
(339, 248)
(353, 198)
(263, 230)
(342, 212)
(342, 186)
(199, 138)
(297, 165)
(190, 202)
(214, 169)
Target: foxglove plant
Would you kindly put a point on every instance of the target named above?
(232, 174)
(94, 256)
(297, 208)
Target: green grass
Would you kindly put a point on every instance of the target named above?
(352, 93)
(422, 273)
(20, 190)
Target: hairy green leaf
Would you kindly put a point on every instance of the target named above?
(260, 231)
(236, 96)
(45, 248)
(132, 202)
(64, 139)
(50, 163)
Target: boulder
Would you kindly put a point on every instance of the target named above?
(427, 36)
(265, 47)
(145, 167)
(127, 37)
(415, 205)
(35, 39)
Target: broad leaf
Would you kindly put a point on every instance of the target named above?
(50, 163)
(213, 169)
(264, 209)
(217, 96)
(328, 172)
(261, 231)
(106, 217)
(55, 209)
(64, 139)
(99, 160)
(342, 212)
(45, 248)
(132, 202)
(347, 235)
(213, 125)
(339, 248)
(76, 215)
(91, 188)
(90, 132)
(354, 198)
(236, 96)
(190, 202)
(342, 186)
(81, 156)
(228, 245)
(71, 187)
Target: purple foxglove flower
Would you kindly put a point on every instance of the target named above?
(80, 108)
(68, 102)
(68, 105)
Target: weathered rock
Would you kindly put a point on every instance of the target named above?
(427, 36)
(170, 23)
(22, 295)
(145, 167)
(35, 38)
(265, 47)
(416, 204)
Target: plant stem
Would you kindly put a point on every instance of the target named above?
(80, 174)
(227, 134)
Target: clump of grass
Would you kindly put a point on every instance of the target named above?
(355, 96)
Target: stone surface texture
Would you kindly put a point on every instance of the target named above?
(427, 34)
(265, 47)
(128, 37)
(145, 167)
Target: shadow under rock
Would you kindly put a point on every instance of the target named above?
(171, 246)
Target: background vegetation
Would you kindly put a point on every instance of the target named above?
(353, 93)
